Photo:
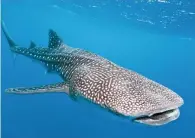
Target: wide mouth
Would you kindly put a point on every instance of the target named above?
(159, 118)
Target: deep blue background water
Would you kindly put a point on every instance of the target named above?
(156, 39)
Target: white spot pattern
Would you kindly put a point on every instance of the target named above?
(102, 81)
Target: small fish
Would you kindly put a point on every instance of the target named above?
(121, 91)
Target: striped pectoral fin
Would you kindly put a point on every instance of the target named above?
(58, 87)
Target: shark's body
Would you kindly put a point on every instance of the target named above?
(99, 80)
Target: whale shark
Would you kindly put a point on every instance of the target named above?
(102, 82)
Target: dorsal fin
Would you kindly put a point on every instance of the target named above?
(32, 44)
(54, 40)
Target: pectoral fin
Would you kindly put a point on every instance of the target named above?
(58, 87)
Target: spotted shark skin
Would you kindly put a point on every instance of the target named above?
(101, 81)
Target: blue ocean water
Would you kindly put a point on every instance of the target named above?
(153, 37)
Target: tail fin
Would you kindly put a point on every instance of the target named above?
(9, 39)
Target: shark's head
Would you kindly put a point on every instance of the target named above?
(145, 100)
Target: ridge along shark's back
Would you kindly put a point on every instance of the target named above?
(122, 91)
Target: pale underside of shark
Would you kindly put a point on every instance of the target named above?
(85, 74)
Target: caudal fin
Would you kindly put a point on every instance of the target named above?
(9, 39)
